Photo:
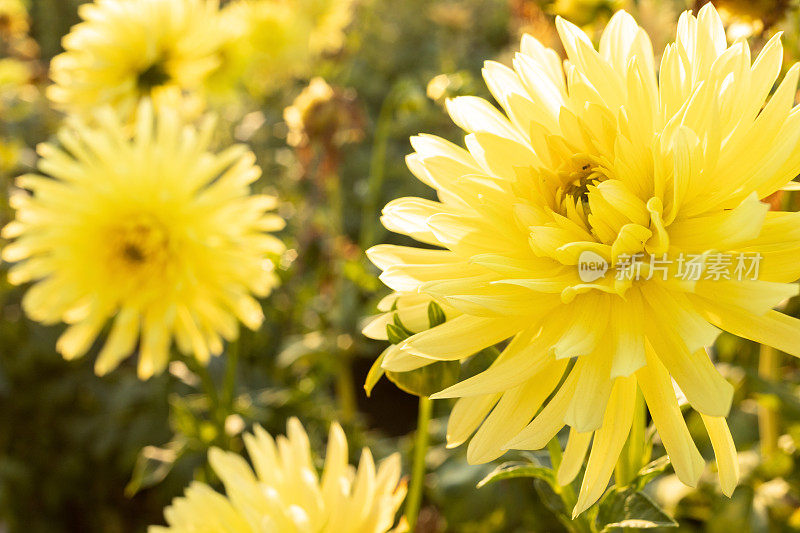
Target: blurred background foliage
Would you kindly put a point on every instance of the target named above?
(82, 453)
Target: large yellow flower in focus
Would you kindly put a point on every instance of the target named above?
(127, 49)
(285, 494)
(602, 156)
(149, 230)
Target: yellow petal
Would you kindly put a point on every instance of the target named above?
(466, 416)
(725, 451)
(662, 403)
(514, 410)
(608, 443)
(574, 454)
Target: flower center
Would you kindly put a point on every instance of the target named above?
(576, 179)
(577, 189)
(153, 76)
(140, 241)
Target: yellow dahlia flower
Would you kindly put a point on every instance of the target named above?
(330, 18)
(285, 493)
(598, 224)
(268, 44)
(127, 49)
(313, 114)
(13, 18)
(149, 230)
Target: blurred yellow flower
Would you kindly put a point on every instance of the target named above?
(124, 50)
(767, 10)
(323, 114)
(269, 42)
(744, 18)
(285, 493)
(569, 226)
(13, 18)
(17, 92)
(329, 19)
(146, 228)
(585, 12)
(11, 151)
(312, 114)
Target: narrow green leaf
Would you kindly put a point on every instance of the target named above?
(396, 334)
(515, 469)
(153, 464)
(651, 470)
(551, 499)
(630, 509)
(399, 324)
(436, 315)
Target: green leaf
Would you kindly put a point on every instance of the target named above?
(436, 315)
(515, 469)
(630, 509)
(375, 373)
(551, 499)
(651, 470)
(403, 328)
(153, 464)
(637, 449)
(396, 334)
(428, 379)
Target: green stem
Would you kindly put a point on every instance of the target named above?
(768, 419)
(377, 167)
(210, 389)
(229, 383)
(566, 492)
(635, 452)
(554, 449)
(229, 387)
(345, 390)
(414, 498)
(342, 292)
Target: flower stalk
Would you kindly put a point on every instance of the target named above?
(768, 417)
(414, 499)
(565, 492)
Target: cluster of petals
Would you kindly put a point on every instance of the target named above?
(609, 153)
(283, 493)
(123, 50)
(145, 227)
